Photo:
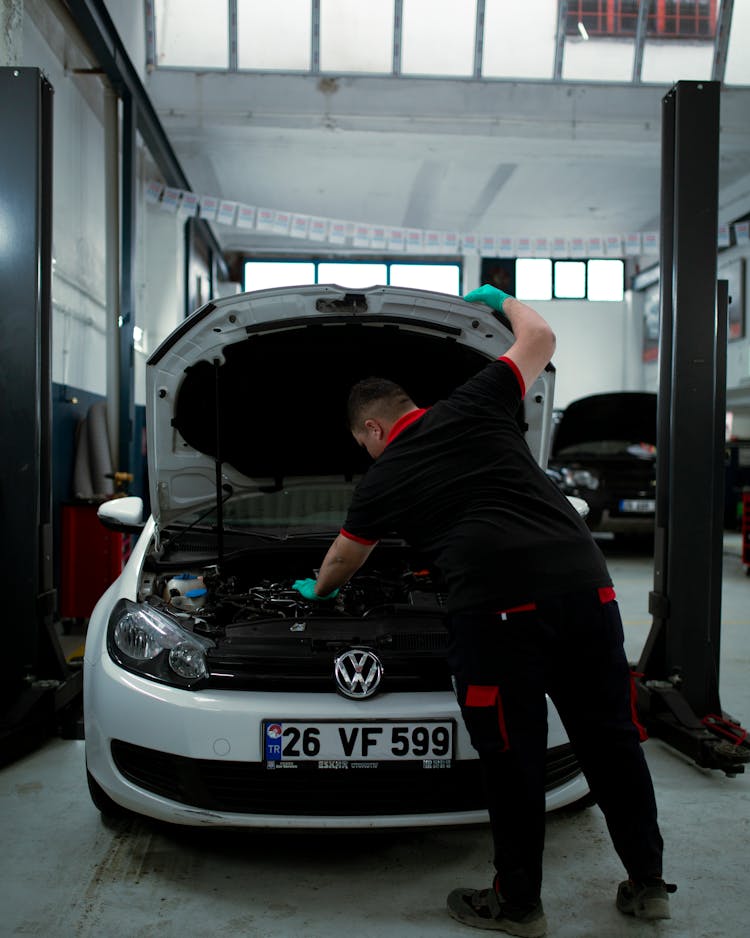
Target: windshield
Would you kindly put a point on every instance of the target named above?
(315, 503)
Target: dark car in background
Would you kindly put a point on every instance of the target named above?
(604, 451)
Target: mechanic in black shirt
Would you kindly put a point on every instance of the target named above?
(531, 610)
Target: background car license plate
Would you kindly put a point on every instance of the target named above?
(641, 505)
(303, 741)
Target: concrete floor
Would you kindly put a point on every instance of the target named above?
(64, 873)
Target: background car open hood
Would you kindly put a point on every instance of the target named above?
(624, 415)
(277, 365)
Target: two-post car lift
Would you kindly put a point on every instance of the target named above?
(678, 672)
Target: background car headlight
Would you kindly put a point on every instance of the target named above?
(149, 642)
(580, 478)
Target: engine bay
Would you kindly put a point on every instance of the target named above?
(255, 588)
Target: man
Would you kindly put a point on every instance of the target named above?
(531, 610)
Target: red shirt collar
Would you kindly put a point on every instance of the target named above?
(404, 422)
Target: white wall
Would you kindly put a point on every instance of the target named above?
(595, 347)
(738, 350)
(164, 288)
(79, 314)
(78, 223)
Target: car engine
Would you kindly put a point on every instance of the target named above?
(216, 602)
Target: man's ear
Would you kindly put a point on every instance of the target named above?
(374, 427)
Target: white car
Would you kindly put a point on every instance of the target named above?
(214, 694)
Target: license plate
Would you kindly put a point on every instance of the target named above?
(638, 505)
(348, 741)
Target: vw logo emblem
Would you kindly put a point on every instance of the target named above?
(358, 673)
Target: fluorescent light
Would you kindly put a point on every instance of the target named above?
(582, 30)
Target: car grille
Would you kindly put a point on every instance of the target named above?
(413, 660)
(251, 788)
(633, 479)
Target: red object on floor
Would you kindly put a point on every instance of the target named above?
(91, 558)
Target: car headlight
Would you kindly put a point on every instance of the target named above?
(149, 642)
(580, 479)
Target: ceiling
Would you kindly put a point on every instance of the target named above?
(504, 157)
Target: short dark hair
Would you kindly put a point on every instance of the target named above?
(375, 394)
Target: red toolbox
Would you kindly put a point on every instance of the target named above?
(91, 558)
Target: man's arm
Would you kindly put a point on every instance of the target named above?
(534, 339)
(342, 561)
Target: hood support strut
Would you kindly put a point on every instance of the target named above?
(218, 463)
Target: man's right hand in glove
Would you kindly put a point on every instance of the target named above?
(307, 589)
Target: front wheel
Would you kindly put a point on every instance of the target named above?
(110, 810)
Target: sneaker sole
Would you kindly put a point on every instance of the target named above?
(461, 912)
(653, 909)
(649, 909)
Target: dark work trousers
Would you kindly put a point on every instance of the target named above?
(570, 647)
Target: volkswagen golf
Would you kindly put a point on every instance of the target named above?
(214, 693)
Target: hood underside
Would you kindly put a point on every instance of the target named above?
(259, 383)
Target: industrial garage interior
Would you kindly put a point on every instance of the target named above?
(161, 159)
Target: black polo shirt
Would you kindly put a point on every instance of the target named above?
(459, 483)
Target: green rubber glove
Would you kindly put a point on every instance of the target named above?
(307, 589)
(489, 295)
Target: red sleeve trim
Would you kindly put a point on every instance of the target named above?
(359, 540)
(514, 368)
(606, 594)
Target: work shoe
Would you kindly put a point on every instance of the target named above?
(485, 908)
(649, 900)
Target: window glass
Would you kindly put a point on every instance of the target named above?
(443, 278)
(606, 280)
(666, 61)
(598, 58)
(438, 37)
(738, 59)
(192, 34)
(679, 41)
(261, 275)
(356, 37)
(534, 278)
(570, 279)
(274, 35)
(352, 274)
(519, 39)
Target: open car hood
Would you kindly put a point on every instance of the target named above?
(251, 389)
(624, 415)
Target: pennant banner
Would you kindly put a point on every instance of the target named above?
(366, 235)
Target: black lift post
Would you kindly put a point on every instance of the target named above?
(678, 682)
(38, 691)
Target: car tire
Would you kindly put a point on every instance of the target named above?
(575, 807)
(110, 810)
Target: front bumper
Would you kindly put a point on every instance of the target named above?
(197, 758)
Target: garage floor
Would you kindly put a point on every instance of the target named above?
(64, 873)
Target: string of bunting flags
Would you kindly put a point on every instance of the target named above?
(416, 240)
